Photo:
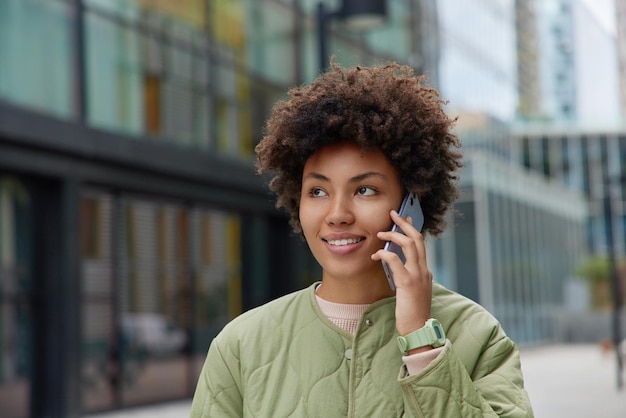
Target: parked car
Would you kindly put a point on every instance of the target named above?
(152, 333)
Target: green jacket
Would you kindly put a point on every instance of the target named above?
(286, 359)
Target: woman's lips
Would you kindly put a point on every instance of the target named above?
(343, 245)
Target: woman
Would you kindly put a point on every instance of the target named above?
(345, 150)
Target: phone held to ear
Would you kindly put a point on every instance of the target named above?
(410, 207)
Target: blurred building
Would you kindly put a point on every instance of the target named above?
(527, 45)
(130, 210)
(591, 162)
(567, 65)
(558, 83)
(478, 65)
(513, 245)
(518, 237)
(575, 136)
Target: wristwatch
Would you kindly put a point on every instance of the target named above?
(430, 334)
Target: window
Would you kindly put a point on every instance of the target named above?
(24, 78)
(160, 280)
(16, 306)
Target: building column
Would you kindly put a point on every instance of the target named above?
(56, 386)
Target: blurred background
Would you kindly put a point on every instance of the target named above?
(133, 225)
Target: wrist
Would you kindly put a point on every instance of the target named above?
(411, 326)
(420, 350)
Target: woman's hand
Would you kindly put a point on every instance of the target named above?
(413, 280)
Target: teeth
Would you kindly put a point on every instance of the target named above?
(343, 241)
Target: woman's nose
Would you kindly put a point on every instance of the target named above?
(340, 212)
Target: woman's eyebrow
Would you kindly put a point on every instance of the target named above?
(366, 175)
(354, 179)
(316, 176)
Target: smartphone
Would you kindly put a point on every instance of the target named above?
(410, 207)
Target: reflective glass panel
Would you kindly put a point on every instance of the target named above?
(159, 281)
(36, 55)
(16, 298)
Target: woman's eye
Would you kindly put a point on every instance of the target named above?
(317, 192)
(366, 191)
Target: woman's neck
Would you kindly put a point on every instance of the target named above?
(354, 291)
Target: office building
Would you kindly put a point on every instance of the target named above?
(588, 162)
(478, 64)
(132, 222)
(515, 240)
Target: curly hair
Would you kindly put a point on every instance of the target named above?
(385, 107)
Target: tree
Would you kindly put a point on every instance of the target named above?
(596, 271)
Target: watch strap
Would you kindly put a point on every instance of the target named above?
(431, 334)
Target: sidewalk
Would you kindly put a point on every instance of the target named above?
(563, 381)
(179, 409)
(573, 381)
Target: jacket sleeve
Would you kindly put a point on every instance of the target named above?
(445, 388)
(218, 391)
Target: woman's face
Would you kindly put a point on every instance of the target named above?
(347, 194)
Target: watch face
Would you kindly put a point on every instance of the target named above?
(439, 334)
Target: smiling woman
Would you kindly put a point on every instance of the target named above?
(344, 151)
(346, 198)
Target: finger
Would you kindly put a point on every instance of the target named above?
(400, 274)
(420, 252)
(389, 257)
(412, 246)
(407, 227)
(405, 224)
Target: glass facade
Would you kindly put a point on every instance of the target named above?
(586, 161)
(515, 244)
(185, 72)
(17, 293)
(159, 281)
(137, 120)
(394, 40)
(556, 29)
(477, 70)
(36, 55)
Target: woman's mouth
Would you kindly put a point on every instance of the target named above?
(342, 242)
